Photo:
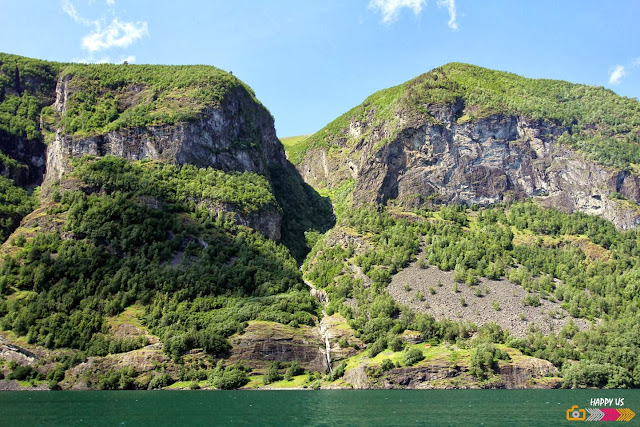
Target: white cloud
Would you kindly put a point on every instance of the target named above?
(70, 9)
(391, 8)
(116, 34)
(104, 60)
(617, 74)
(451, 6)
(128, 59)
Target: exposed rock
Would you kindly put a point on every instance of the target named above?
(420, 376)
(502, 304)
(238, 136)
(358, 378)
(145, 360)
(264, 342)
(442, 373)
(15, 353)
(14, 385)
(336, 328)
(526, 371)
(495, 159)
(31, 153)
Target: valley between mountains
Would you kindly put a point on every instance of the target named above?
(469, 228)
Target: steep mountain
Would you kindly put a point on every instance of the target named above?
(471, 202)
(165, 193)
(466, 134)
(155, 235)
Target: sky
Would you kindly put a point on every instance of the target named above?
(309, 61)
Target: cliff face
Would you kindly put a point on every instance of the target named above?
(196, 115)
(31, 153)
(264, 342)
(489, 160)
(237, 136)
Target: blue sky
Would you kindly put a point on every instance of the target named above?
(310, 61)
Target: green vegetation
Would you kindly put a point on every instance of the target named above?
(108, 97)
(166, 239)
(188, 186)
(294, 148)
(15, 203)
(105, 97)
(229, 377)
(272, 375)
(26, 86)
(493, 243)
(412, 356)
(305, 213)
(199, 276)
(598, 122)
(484, 359)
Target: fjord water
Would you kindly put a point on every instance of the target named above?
(323, 407)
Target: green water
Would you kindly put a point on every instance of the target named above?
(340, 407)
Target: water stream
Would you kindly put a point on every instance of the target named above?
(323, 331)
(322, 297)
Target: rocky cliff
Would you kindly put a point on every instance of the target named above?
(238, 135)
(459, 151)
(196, 115)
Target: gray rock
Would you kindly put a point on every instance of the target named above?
(500, 158)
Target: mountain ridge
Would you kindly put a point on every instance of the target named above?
(165, 241)
(466, 134)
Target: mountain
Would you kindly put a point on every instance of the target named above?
(165, 193)
(471, 202)
(468, 228)
(466, 134)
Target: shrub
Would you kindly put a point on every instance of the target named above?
(293, 370)
(160, 381)
(387, 365)
(412, 356)
(24, 373)
(337, 373)
(532, 300)
(272, 375)
(484, 358)
(231, 377)
(377, 347)
(591, 374)
(396, 344)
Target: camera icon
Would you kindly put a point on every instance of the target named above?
(575, 414)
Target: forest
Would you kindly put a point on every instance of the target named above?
(530, 246)
(199, 274)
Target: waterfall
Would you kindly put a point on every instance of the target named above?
(326, 343)
(322, 297)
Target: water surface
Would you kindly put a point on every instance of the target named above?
(322, 407)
